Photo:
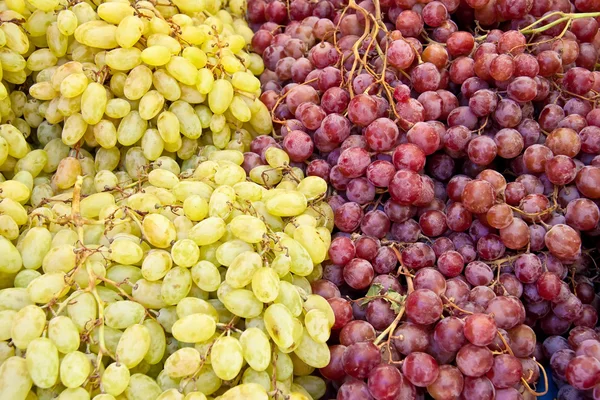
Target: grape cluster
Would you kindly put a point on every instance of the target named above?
(179, 286)
(461, 142)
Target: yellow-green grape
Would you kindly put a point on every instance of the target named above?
(243, 303)
(259, 377)
(93, 103)
(256, 348)
(59, 258)
(157, 342)
(158, 230)
(265, 285)
(245, 81)
(75, 368)
(206, 276)
(183, 70)
(221, 200)
(25, 277)
(248, 228)
(242, 269)
(229, 250)
(312, 187)
(193, 305)
(183, 362)
(317, 325)
(312, 353)
(15, 381)
(171, 394)
(137, 83)
(142, 387)
(42, 362)
(281, 264)
(47, 287)
(185, 253)
(156, 55)
(194, 328)
(63, 333)
(227, 357)
(133, 345)
(195, 208)
(123, 314)
(195, 396)
(220, 96)
(189, 123)
(28, 324)
(309, 238)
(148, 294)
(129, 31)
(177, 283)
(125, 251)
(280, 324)
(115, 379)
(289, 297)
(207, 231)
(11, 261)
(156, 264)
(301, 263)
(67, 22)
(6, 320)
(288, 203)
(247, 391)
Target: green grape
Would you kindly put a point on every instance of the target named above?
(309, 238)
(123, 314)
(142, 387)
(64, 334)
(42, 362)
(15, 381)
(207, 231)
(176, 285)
(7, 318)
(289, 297)
(265, 284)
(313, 353)
(301, 263)
(48, 287)
(242, 269)
(317, 325)
(280, 324)
(229, 250)
(28, 324)
(157, 342)
(248, 228)
(259, 377)
(115, 379)
(156, 264)
(183, 362)
(75, 368)
(256, 348)
(11, 261)
(34, 246)
(193, 305)
(247, 391)
(133, 345)
(227, 357)
(148, 294)
(170, 394)
(194, 328)
(206, 276)
(243, 303)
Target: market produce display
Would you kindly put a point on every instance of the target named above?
(461, 143)
(301, 200)
(141, 258)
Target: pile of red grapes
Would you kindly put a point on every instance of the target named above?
(461, 143)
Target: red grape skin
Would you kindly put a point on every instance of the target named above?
(480, 329)
(384, 382)
(583, 372)
(474, 361)
(506, 371)
(421, 369)
(423, 307)
(360, 358)
(448, 385)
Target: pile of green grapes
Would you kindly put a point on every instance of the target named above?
(139, 260)
(183, 285)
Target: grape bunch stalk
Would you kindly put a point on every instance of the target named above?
(461, 142)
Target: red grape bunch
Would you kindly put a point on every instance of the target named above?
(461, 143)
